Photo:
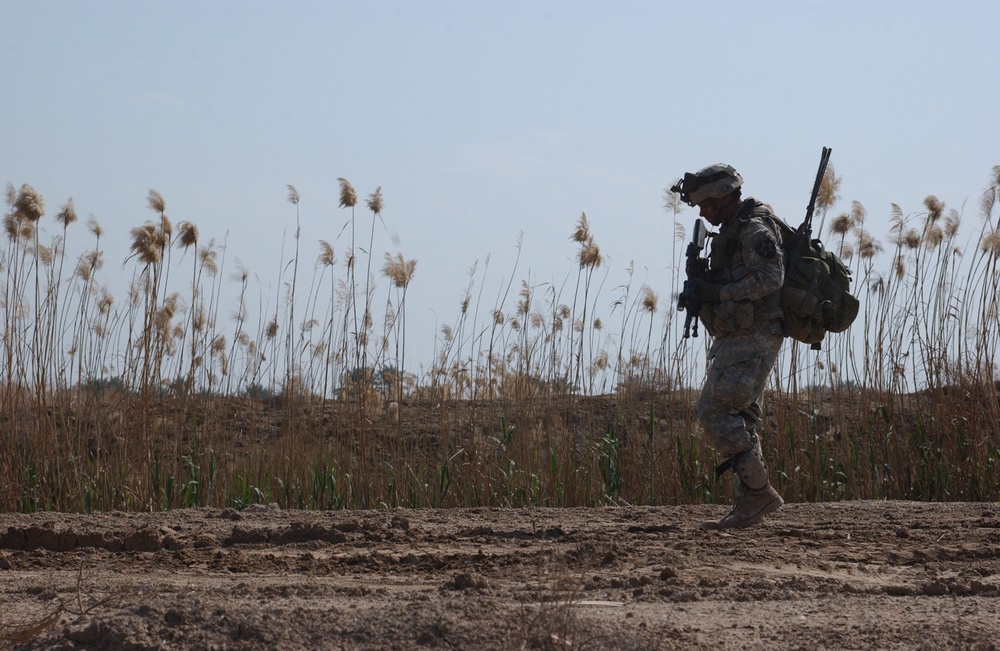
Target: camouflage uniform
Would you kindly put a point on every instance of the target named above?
(747, 262)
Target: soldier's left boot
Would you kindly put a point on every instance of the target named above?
(755, 497)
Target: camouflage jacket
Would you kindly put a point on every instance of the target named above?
(747, 261)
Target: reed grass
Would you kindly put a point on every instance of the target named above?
(195, 389)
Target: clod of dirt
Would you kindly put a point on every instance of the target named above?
(143, 540)
(174, 617)
(668, 573)
(85, 636)
(464, 581)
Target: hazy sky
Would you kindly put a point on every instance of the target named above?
(483, 120)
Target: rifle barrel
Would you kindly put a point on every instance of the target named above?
(823, 160)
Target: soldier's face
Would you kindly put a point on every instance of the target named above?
(709, 209)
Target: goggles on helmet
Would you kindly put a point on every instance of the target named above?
(712, 182)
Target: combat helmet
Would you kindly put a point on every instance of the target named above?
(712, 182)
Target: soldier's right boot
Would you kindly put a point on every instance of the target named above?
(755, 497)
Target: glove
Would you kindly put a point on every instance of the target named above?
(706, 292)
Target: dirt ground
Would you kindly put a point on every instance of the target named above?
(852, 575)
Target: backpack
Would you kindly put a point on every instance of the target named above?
(815, 297)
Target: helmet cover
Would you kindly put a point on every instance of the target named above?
(712, 182)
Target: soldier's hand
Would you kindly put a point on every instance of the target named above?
(706, 292)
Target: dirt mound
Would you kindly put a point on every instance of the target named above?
(852, 575)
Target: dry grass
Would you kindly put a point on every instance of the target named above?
(193, 391)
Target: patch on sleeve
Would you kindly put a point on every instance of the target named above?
(764, 247)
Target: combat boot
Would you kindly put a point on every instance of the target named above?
(755, 497)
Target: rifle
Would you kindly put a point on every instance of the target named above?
(806, 227)
(696, 267)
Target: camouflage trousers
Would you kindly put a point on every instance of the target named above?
(730, 402)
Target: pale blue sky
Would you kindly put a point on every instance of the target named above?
(481, 120)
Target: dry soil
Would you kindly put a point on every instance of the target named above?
(852, 575)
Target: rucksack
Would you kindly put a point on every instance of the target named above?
(815, 297)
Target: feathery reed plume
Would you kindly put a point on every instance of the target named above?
(896, 219)
(27, 229)
(155, 201)
(828, 190)
(326, 257)
(188, 234)
(164, 315)
(935, 207)
(991, 244)
(12, 225)
(951, 223)
(590, 255)
(989, 199)
(106, 301)
(348, 197)
(29, 205)
(272, 329)
(900, 268)
(986, 203)
(581, 232)
(148, 243)
(933, 237)
(911, 239)
(524, 305)
(398, 270)
(293, 195)
(858, 214)
(840, 224)
(207, 256)
(680, 233)
(649, 299)
(374, 201)
(94, 227)
(11, 194)
(867, 246)
(88, 264)
(199, 318)
(846, 250)
(67, 214)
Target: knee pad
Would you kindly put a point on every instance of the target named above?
(750, 468)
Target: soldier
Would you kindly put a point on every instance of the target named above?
(741, 308)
